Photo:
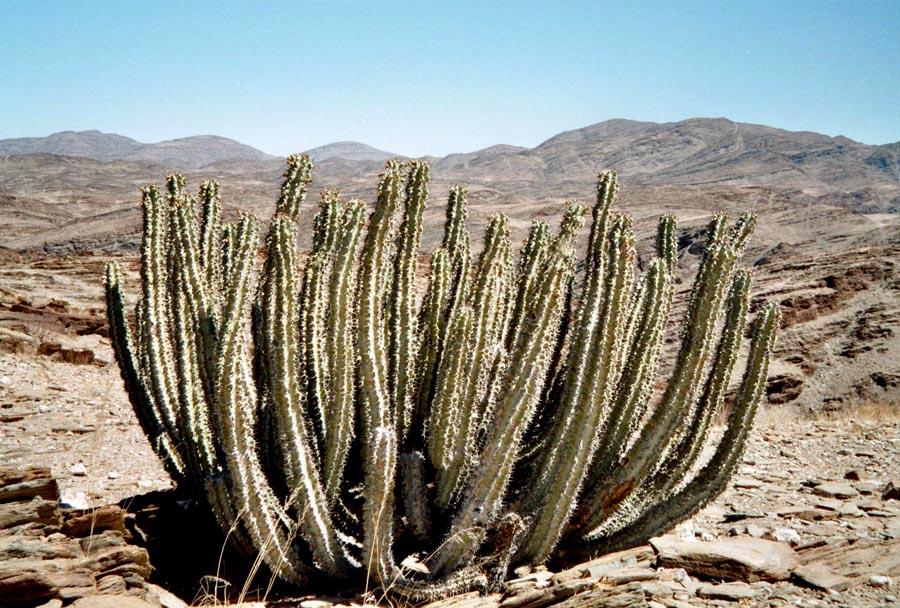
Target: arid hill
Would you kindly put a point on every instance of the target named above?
(349, 150)
(185, 153)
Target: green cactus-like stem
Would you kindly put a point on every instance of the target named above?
(431, 342)
(523, 381)
(315, 315)
(572, 222)
(673, 470)
(490, 305)
(529, 265)
(596, 362)
(158, 360)
(447, 419)
(341, 347)
(457, 243)
(266, 525)
(666, 241)
(478, 348)
(135, 386)
(293, 187)
(644, 333)
(194, 342)
(189, 309)
(607, 191)
(279, 296)
(314, 309)
(210, 260)
(447, 291)
(228, 246)
(670, 421)
(713, 395)
(401, 306)
(713, 477)
(379, 432)
(327, 223)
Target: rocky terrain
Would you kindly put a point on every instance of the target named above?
(811, 519)
(817, 480)
(86, 182)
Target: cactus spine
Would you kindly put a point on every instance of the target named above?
(493, 421)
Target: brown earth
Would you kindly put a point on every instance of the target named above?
(70, 414)
(818, 484)
(827, 249)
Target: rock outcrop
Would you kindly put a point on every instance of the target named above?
(47, 554)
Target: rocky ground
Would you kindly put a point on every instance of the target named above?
(818, 486)
(816, 490)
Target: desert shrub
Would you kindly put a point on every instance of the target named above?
(334, 423)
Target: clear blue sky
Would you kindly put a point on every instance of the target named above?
(436, 77)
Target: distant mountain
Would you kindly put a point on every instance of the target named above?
(462, 161)
(704, 151)
(349, 150)
(699, 152)
(696, 153)
(186, 153)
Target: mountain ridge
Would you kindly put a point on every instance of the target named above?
(695, 153)
(349, 150)
(111, 146)
(191, 152)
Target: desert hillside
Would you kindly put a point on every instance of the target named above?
(826, 247)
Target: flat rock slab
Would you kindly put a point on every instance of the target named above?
(747, 483)
(836, 490)
(467, 600)
(726, 591)
(744, 559)
(92, 521)
(110, 601)
(629, 575)
(636, 557)
(38, 510)
(820, 576)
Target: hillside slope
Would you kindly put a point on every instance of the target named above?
(185, 153)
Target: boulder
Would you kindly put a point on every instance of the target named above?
(891, 490)
(732, 559)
